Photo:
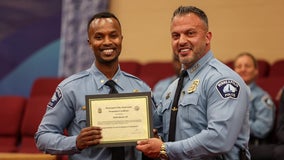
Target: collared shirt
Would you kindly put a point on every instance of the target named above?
(67, 109)
(161, 87)
(213, 114)
(262, 112)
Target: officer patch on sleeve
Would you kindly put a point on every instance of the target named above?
(267, 100)
(228, 88)
(57, 96)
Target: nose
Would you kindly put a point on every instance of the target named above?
(107, 40)
(182, 39)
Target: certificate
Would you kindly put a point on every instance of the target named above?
(124, 118)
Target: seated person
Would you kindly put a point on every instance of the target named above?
(279, 148)
(262, 108)
(163, 84)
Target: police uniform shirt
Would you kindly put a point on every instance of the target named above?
(262, 112)
(67, 110)
(161, 87)
(213, 115)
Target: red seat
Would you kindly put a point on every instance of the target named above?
(272, 85)
(155, 71)
(277, 68)
(34, 111)
(11, 113)
(45, 86)
(263, 67)
(230, 64)
(131, 67)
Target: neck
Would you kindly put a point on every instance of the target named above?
(108, 69)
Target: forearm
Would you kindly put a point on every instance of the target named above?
(56, 143)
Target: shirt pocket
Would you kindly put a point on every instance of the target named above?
(189, 111)
(81, 118)
(166, 112)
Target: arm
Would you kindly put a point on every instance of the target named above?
(50, 136)
(280, 122)
(225, 119)
(262, 122)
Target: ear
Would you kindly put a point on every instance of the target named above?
(208, 37)
(89, 43)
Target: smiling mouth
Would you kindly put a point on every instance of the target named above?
(108, 51)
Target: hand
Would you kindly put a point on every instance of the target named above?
(88, 136)
(150, 147)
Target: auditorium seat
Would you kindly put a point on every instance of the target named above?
(11, 112)
(277, 68)
(132, 67)
(43, 86)
(263, 67)
(229, 63)
(272, 85)
(34, 111)
(154, 71)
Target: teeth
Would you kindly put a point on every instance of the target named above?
(108, 50)
(184, 50)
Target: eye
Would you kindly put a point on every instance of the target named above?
(98, 37)
(191, 33)
(175, 36)
(114, 35)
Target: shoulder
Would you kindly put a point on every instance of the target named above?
(131, 79)
(74, 78)
(224, 80)
(218, 72)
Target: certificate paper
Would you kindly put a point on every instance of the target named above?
(124, 118)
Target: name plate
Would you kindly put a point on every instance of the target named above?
(124, 118)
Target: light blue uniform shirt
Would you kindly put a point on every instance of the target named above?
(262, 112)
(66, 110)
(213, 113)
(161, 87)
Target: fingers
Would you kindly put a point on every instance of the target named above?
(88, 136)
(150, 147)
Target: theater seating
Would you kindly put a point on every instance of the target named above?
(45, 86)
(11, 109)
(152, 72)
(272, 85)
(34, 111)
(277, 68)
(263, 68)
(132, 67)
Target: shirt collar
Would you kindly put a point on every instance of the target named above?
(193, 70)
(101, 79)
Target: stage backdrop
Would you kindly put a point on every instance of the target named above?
(30, 40)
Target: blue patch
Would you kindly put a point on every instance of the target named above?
(57, 96)
(228, 88)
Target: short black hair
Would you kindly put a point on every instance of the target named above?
(183, 10)
(102, 15)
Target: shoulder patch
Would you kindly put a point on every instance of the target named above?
(267, 100)
(57, 96)
(228, 88)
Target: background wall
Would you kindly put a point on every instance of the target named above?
(237, 26)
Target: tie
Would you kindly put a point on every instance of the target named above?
(111, 85)
(117, 152)
(172, 130)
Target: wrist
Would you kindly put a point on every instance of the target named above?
(163, 152)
